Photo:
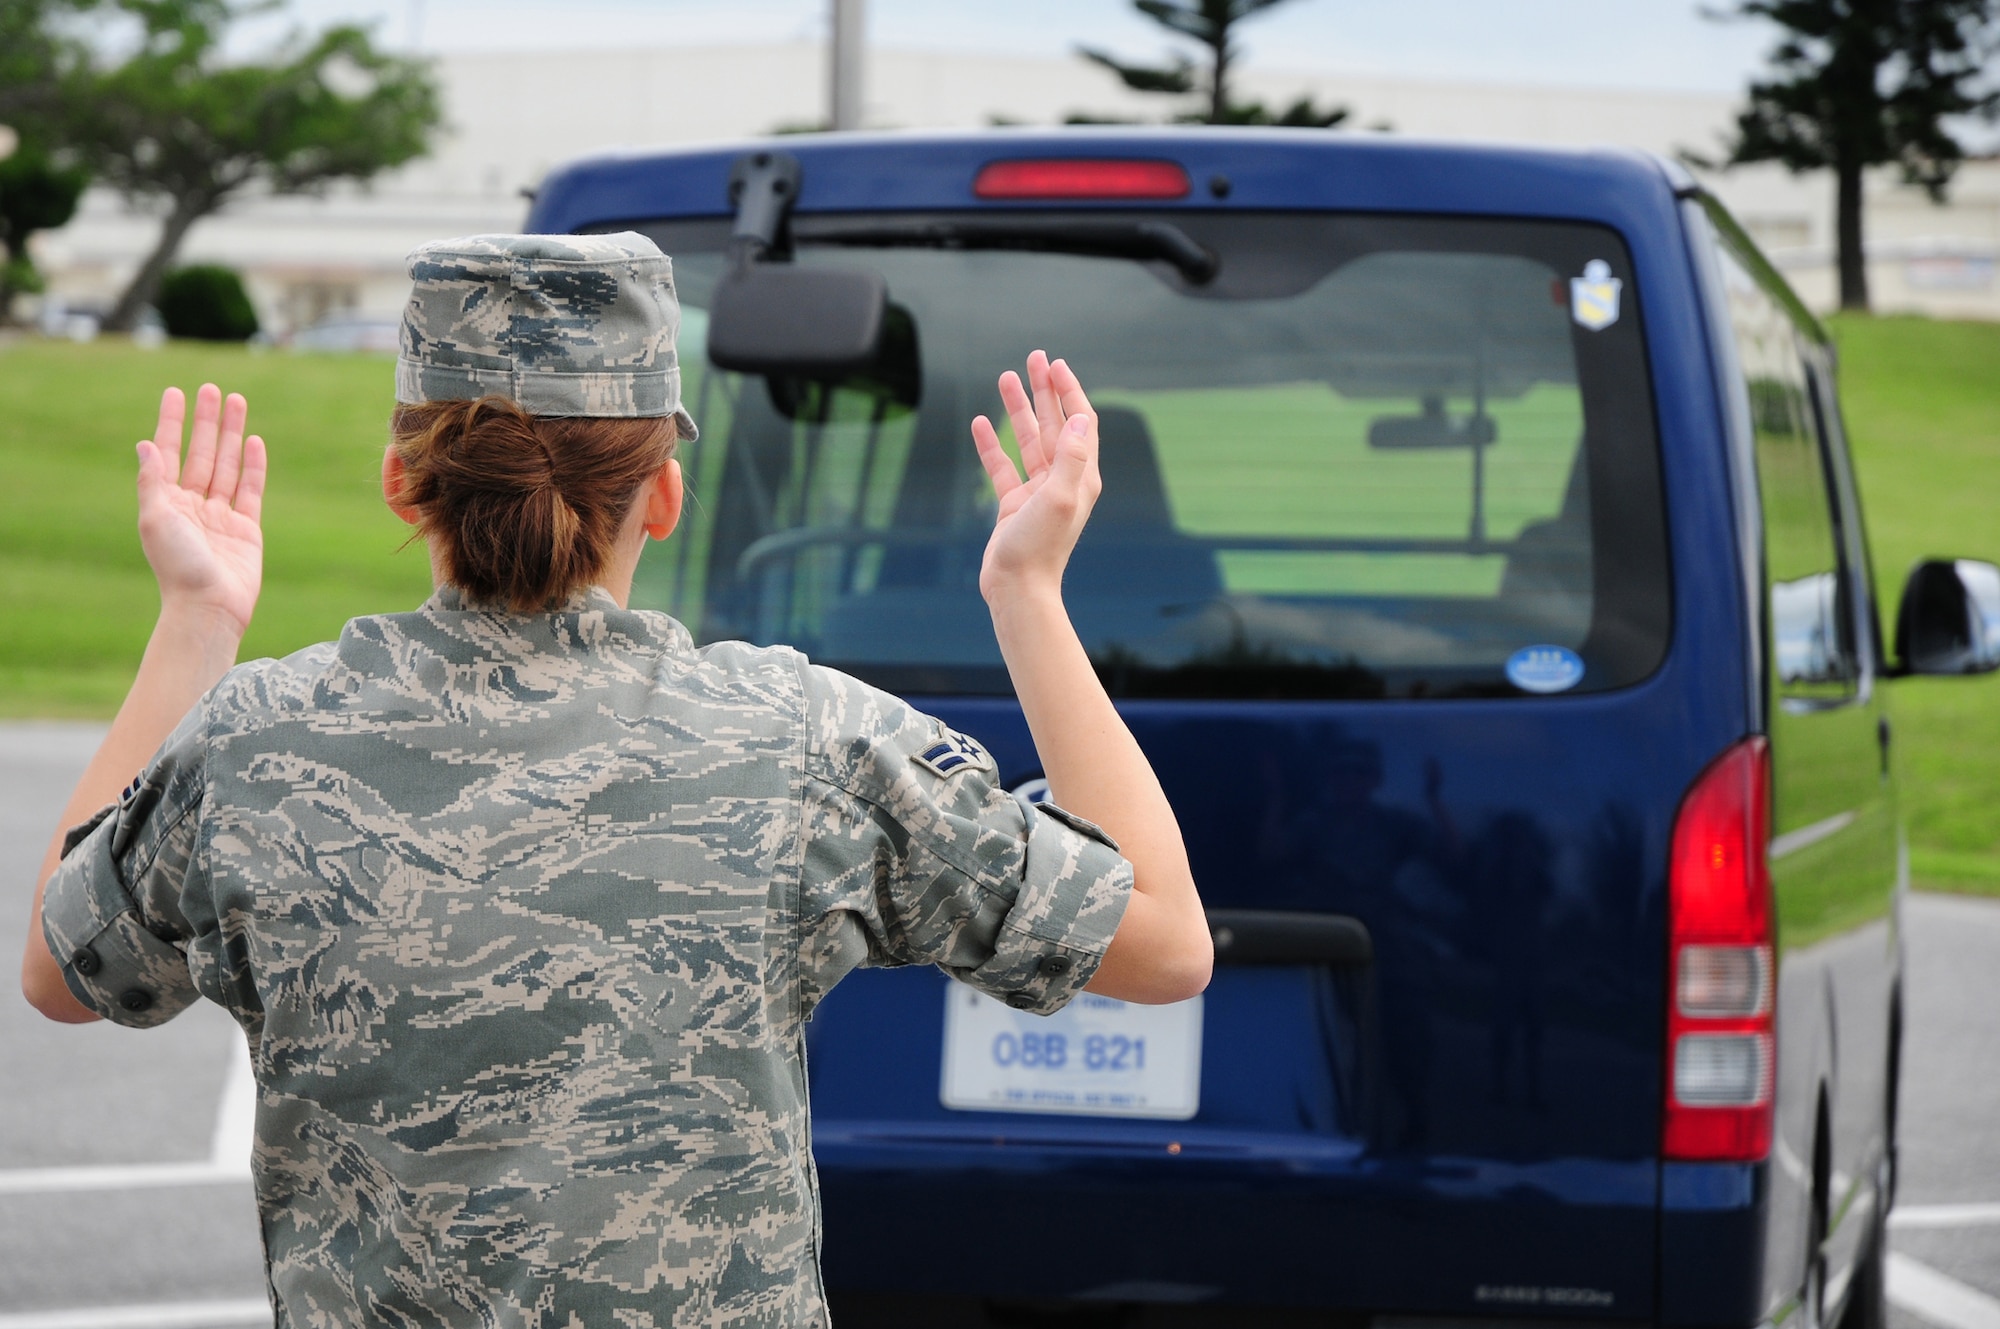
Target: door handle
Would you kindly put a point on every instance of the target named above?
(1273, 936)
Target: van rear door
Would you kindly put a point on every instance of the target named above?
(1380, 579)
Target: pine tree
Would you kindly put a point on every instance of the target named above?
(1861, 83)
(1209, 23)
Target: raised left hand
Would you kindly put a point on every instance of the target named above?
(199, 517)
(1042, 514)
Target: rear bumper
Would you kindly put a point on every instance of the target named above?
(1714, 1224)
(869, 1311)
(1216, 1223)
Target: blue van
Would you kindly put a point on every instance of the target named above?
(1481, 565)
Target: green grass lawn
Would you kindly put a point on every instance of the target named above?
(76, 600)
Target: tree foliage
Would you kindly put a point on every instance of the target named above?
(37, 60)
(1861, 83)
(1211, 24)
(36, 194)
(177, 123)
(40, 66)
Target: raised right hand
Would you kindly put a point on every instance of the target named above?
(198, 519)
(1042, 515)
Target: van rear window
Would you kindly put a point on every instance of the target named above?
(1366, 457)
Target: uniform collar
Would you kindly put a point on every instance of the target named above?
(451, 599)
(587, 619)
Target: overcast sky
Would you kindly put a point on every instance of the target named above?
(1660, 44)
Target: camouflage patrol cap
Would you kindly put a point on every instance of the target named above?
(563, 325)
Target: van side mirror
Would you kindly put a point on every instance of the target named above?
(1949, 622)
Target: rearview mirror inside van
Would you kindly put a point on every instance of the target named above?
(810, 332)
(1434, 428)
(892, 379)
(777, 319)
(1949, 622)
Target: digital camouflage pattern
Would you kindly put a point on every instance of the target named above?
(522, 917)
(561, 324)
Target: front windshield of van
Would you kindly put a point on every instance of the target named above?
(1368, 457)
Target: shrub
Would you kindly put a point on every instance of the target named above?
(206, 302)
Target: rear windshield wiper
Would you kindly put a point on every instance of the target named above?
(1111, 239)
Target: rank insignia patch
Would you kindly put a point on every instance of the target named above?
(952, 755)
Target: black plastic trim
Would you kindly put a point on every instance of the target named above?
(1271, 936)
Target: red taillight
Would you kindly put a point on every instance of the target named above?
(1081, 178)
(1721, 1057)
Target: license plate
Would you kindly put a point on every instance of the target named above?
(1095, 1057)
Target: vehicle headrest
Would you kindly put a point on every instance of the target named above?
(1134, 493)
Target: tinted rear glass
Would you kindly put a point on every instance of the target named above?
(1373, 456)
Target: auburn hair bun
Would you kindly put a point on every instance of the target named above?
(522, 510)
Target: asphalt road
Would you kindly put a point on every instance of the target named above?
(124, 1201)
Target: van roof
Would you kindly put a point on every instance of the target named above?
(1264, 168)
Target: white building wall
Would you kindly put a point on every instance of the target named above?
(512, 116)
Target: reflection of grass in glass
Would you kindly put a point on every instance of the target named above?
(843, 475)
(1293, 459)
(681, 565)
(1826, 766)
(1257, 572)
(1798, 527)
(838, 480)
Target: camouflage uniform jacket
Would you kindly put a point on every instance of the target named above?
(522, 916)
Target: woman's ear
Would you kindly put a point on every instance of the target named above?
(392, 486)
(664, 496)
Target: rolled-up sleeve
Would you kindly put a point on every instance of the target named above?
(111, 912)
(915, 854)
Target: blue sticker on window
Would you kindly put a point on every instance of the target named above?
(1545, 669)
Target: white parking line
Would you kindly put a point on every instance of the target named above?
(1943, 1215)
(228, 1152)
(161, 1315)
(1936, 1297)
(236, 1117)
(115, 1177)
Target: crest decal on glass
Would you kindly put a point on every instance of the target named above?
(1593, 297)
